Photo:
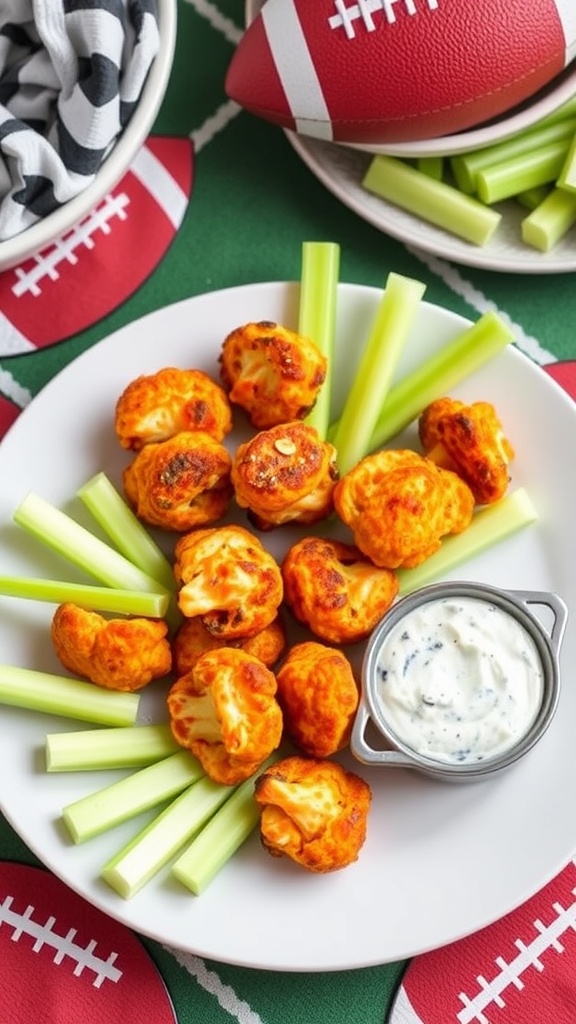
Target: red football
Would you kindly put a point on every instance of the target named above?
(388, 71)
(63, 961)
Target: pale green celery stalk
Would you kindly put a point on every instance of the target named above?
(491, 524)
(103, 599)
(93, 749)
(436, 376)
(532, 197)
(433, 201)
(317, 316)
(396, 313)
(433, 166)
(125, 530)
(137, 862)
(221, 837)
(131, 795)
(466, 166)
(567, 177)
(506, 179)
(550, 221)
(62, 533)
(70, 698)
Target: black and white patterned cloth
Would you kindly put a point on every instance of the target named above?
(71, 73)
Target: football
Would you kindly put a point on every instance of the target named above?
(392, 71)
(85, 274)
(63, 960)
(518, 970)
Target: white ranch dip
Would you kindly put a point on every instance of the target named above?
(459, 679)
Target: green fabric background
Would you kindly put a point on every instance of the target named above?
(253, 205)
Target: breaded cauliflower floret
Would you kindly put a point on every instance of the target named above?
(229, 579)
(180, 483)
(118, 654)
(399, 505)
(470, 440)
(193, 639)
(225, 712)
(285, 474)
(319, 698)
(273, 373)
(314, 812)
(336, 590)
(154, 407)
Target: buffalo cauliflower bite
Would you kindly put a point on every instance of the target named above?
(229, 579)
(336, 590)
(470, 440)
(399, 505)
(118, 654)
(285, 474)
(193, 639)
(313, 811)
(319, 698)
(154, 407)
(271, 372)
(180, 483)
(225, 712)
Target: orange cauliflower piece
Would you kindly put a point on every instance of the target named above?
(180, 483)
(399, 505)
(319, 698)
(154, 407)
(285, 474)
(274, 374)
(193, 639)
(314, 812)
(470, 440)
(335, 589)
(229, 579)
(225, 712)
(118, 654)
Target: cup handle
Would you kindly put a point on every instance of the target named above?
(362, 750)
(556, 606)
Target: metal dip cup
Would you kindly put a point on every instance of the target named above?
(375, 741)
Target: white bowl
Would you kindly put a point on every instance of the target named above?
(39, 235)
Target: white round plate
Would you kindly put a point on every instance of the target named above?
(440, 860)
(341, 169)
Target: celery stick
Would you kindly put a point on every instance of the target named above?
(71, 698)
(567, 177)
(489, 525)
(104, 599)
(532, 197)
(434, 201)
(62, 533)
(550, 221)
(317, 316)
(536, 167)
(439, 374)
(148, 852)
(466, 166)
(433, 166)
(131, 795)
(221, 836)
(92, 749)
(397, 311)
(125, 530)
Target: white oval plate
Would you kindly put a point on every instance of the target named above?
(341, 169)
(440, 861)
